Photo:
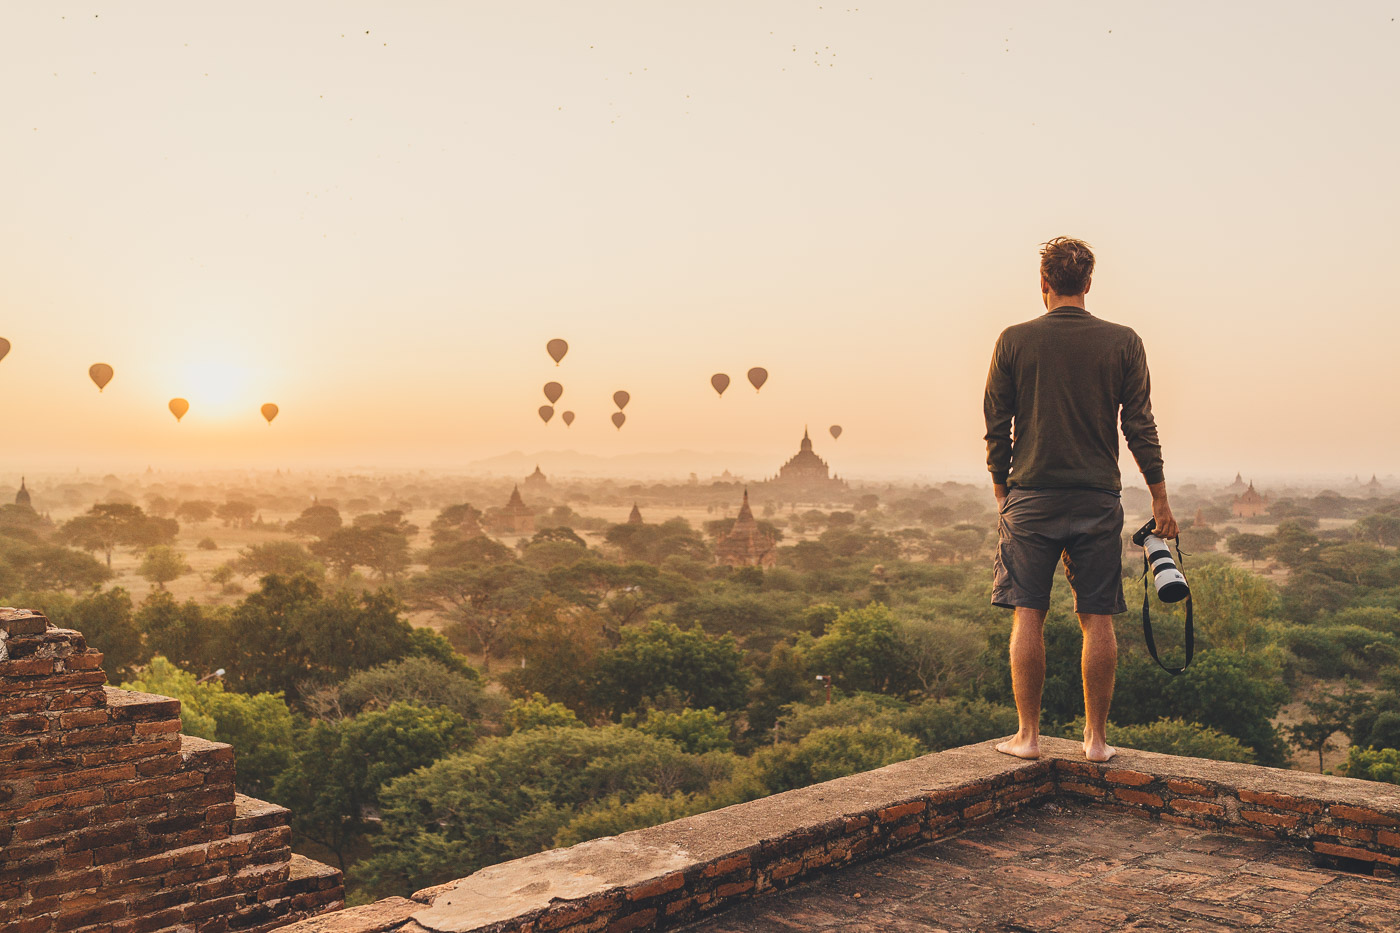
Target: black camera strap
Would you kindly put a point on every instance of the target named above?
(1147, 620)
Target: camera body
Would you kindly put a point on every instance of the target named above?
(1168, 578)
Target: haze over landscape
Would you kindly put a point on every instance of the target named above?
(292, 437)
(376, 215)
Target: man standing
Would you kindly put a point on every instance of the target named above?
(1061, 381)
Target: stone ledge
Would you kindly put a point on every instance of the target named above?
(666, 875)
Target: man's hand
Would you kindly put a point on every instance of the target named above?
(999, 490)
(1165, 521)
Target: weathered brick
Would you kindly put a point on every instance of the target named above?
(1197, 806)
(76, 719)
(1083, 790)
(1193, 788)
(725, 865)
(87, 777)
(672, 882)
(1264, 818)
(632, 921)
(733, 888)
(1130, 778)
(1137, 797)
(1352, 852)
(783, 870)
(1279, 801)
(890, 814)
(981, 808)
(1363, 815)
(101, 735)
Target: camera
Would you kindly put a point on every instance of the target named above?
(1170, 582)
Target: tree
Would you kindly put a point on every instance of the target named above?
(381, 546)
(343, 549)
(161, 564)
(1235, 692)
(237, 513)
(1172, 737)
(652, 544)
(1293, 544)
(340, 768)
(623, 593)
(1379, 528)
(196, 511)
(456, 523)
(829, 753)
(106, 621)
(508, 797)
(862, 651)
(184, 633)
(315, 521)
(1329, 712)
(109, 525)
(661, 659)
(292, 635)
(536, 711)
(53, 567)
(1372, 764)
(558, 646)
(943, 654)
(692, 730)
(479, 603)
(285, 558)
(419, 680)
(951, 722)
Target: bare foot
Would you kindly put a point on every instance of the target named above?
(1099, 751)
(1021, 748)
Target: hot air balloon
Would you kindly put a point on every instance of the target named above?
(546, 412)
(621, 398)
(568, 417)
(720, 381)
(178, 407)
(557, 348)
(269, 411)
(4, 348)
(552, 391)
(757, 377)
(835, 432)
(101, 374)
(618, 418)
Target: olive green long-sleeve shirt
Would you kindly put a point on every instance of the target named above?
(1060, 381)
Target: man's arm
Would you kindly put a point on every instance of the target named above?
(998, 408)
(1140, 430)
(1165, 526)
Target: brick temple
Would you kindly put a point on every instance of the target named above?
(113, 821)
(746, 544)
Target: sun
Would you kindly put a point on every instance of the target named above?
(216, 387)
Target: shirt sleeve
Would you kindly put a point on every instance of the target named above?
(998, 408)
(1139, 427)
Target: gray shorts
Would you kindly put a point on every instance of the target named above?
(1037, 527)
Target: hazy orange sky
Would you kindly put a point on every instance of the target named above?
(375, 215)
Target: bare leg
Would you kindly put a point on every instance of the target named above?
(1027, 681)
(1098, 663)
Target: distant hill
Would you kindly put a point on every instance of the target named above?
(673, 465)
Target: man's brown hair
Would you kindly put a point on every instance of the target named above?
(1066, 264)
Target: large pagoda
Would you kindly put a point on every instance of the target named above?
(806, 472)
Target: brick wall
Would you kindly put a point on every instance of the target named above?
(663, 876)
(112, 820)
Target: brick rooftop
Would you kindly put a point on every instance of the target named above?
(1073, 868)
